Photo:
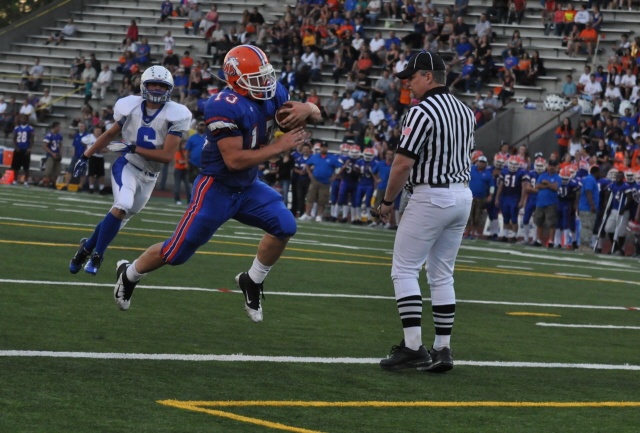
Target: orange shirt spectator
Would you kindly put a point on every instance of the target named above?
(589, 34)
(179, 161)
(569, 15)
(405, 93)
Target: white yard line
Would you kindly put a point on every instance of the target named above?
(564, 325)
(290, 359)
(310, 295)
(566, 274)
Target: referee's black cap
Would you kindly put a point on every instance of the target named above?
(422, 61)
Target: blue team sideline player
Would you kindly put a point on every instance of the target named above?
(23, 136)
(240, 124)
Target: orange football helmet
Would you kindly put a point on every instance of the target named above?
(369, 154)
(249, 73)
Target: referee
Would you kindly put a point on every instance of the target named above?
(434, 157)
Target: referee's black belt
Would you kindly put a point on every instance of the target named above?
(444, 185)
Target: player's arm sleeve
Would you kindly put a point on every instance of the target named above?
(416, 127)
(121, 111)
(179, 126)
(221, 119)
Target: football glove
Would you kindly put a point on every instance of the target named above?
(122, 147)
(81, 167)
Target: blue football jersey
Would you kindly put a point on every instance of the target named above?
(511, 182)
(366, 172)
(23, 135)
(229, 114)
(569, 191)
(619, 194)
(53, 142)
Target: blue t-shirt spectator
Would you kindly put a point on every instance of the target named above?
(382, 170)
(589, 183)
(194, 146)
(322, 167)
(547, 196)
(481, 182)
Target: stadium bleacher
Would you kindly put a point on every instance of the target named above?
(101, 26)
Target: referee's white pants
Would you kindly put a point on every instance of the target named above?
(434, 221)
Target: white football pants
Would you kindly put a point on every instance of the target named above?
(430, 231)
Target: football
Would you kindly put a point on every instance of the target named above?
(281, 115)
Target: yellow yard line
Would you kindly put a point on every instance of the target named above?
(203, 407)
(213, 241)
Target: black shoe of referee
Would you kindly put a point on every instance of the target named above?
(402, 357)
(442, 360)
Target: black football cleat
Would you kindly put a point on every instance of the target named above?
(442, 360)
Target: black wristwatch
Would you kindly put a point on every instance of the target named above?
(387, 203)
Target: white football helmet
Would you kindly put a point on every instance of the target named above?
(611, 174)
(344, 149)
(156, 74)
(317, 147)
(637, 176)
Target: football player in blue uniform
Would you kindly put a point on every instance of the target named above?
(510, 197)
(616, 223)
(23, 136)
(151, 127)
(335, 184)
(365, 184)
(499, 160)
(240, 125)
(603, 207)
(567, 207)
(531, 195)
(349, 184)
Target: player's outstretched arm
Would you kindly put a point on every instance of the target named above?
(237, 158)
(103, 141)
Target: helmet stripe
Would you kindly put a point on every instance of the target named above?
(259, 52)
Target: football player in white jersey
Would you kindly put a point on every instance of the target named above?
(151, 127)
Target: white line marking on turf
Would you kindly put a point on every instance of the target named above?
(563, 325)
(30, 205)
(514, 267)
(311, 295)
(292, 359)
(566, 274)
(465, 261)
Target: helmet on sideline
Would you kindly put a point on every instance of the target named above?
(499, 160)
(565, 174)
(611, 174)
(630, 175)
(156, 75)
(368, 154)
(475, 155)
(354, 151)
(540, 165)
(513, 164)
(344, 149)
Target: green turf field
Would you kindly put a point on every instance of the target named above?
(544, 341)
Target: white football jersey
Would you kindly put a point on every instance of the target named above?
(148, 128)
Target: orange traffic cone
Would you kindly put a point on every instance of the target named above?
(8, 178)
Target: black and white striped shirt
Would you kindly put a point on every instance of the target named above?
(438, 134)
